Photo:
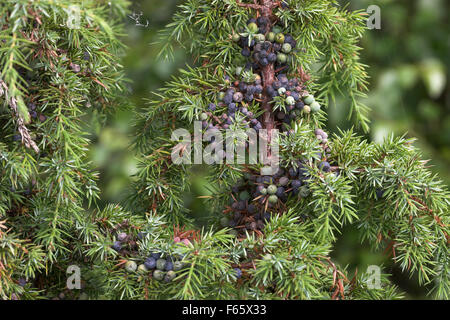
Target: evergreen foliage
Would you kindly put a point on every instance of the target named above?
(49, 84)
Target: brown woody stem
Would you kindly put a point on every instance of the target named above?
(268, 77)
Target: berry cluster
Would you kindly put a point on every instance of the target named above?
(264, 47)
(257, 196)
(124, 243)
(163, 269)
(162, 266)
(235, 103)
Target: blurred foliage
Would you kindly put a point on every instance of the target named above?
(408, 92)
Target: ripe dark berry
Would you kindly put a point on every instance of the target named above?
(299, 105)
(272, 57)
(237, 97)
(243, 86)
(293, 172)
(141, 235)
(276, 47)
(267, 179)
(117, 246)
(280, 192)
(245, 52)
(380, 194)
(121, 236)
(22, 282)
(228, 99)
(262, 21)
(296, 184)
(155, 255)
(238, 273)
(169, 266)
(249, 97)
(325, 166)
(284, 181)
(75, 67)
(150, 263)
(281, 115)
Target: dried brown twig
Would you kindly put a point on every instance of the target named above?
(23, 130)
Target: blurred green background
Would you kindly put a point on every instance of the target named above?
(409, 93)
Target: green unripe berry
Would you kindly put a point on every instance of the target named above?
(276, 29)
(141, 269)
(253, 27)
(221, 95)
(272, 189)
(263, 191)
(260, 37)
(290, 101)
(281, 58)
(161, 264)
(286, 48)
(238, 71)
(315, 106)
(273, 199)
(281, 91)
(270, 36)
(204, 116)
(244, 195)
(306, 109)
(266, 171)
(304, 191)
(279, 38)
(224, 222)
(177, 265)
(309, 99)
(130, 266)
(170, 275)
(158, 275)
(236, 37)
